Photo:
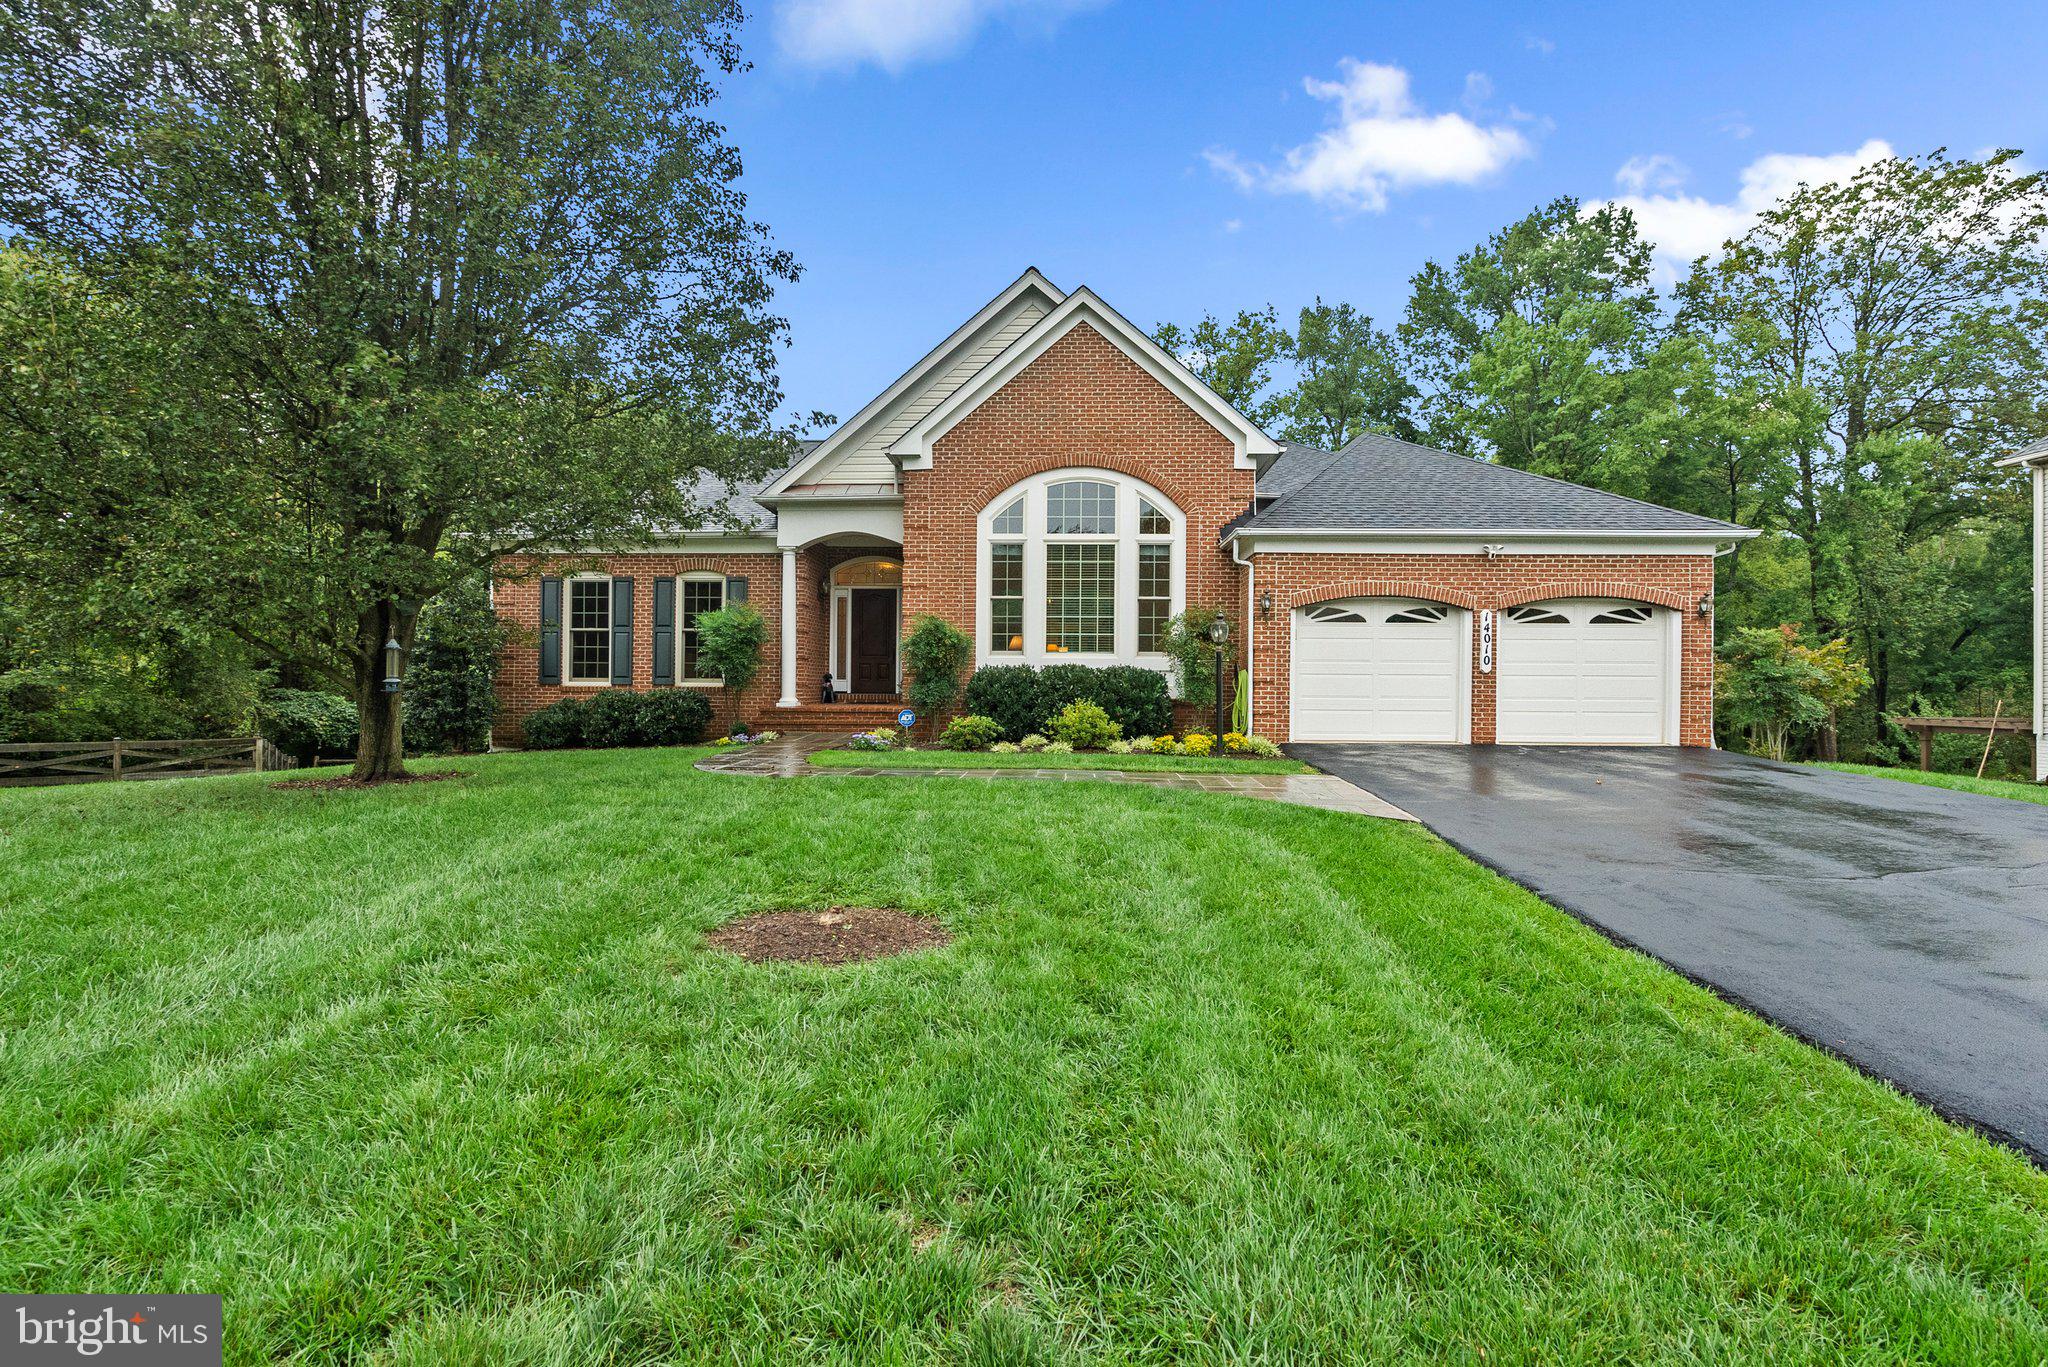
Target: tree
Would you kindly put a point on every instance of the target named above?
(398, 291)
(1349, 380)
(1772, 685)
(1236, 359)
(1543, 349)
(1906, 306)
(730, 641)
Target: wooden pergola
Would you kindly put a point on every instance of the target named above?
(1988, 727)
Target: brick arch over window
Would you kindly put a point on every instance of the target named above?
(1597, 588)
(992, 486)
(1383, 588)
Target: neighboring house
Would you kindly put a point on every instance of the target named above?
(2036, 457)
(1056, 485)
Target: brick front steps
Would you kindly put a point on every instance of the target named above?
(843, 717)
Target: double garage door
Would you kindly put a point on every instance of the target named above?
(1579, 671)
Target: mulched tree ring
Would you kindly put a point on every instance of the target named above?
(836, 935)
(345, 783)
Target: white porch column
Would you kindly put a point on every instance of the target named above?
(788, 698)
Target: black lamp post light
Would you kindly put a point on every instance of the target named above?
(1219, 637)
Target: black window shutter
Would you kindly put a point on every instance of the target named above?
(622, 631)
(550, 631)
(665, 631)
(735, 589)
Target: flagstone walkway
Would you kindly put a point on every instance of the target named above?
(790, 757)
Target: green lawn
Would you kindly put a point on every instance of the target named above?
(983, 759)
(442, 1073)
(1962, 783)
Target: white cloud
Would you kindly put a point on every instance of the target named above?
(1478, 90)
(1233, 225)
(893, 34)
(1682, 227)
(1381, 141)
(1536, 43)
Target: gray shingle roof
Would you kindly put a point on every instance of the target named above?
(1380, 483)
(2032, 451)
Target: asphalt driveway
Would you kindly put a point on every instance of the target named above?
(1901, 926)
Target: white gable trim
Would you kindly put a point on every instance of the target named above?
(933, 363)
(1252, 446)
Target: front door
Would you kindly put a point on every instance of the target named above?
(874, 640)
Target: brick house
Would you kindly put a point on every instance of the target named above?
(1052, 482)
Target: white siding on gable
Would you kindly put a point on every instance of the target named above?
(866, 461)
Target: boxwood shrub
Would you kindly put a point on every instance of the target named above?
(668, 716)
(1008, 695)
(1023, 700)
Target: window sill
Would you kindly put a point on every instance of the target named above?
(586, 683)
(700, 683)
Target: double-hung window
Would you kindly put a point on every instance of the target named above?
(590, 630)
(1080, 567)
(699, 594)
(1084, 564)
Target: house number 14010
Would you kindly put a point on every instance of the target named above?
(1486, 640)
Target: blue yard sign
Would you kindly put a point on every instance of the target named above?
(906, 719)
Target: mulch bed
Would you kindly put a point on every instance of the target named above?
(336, 784)
(837, 935)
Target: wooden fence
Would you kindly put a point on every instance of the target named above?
(101, 761)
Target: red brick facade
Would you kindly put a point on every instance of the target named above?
(516, 591)
(1474, 581)
(1086, 403)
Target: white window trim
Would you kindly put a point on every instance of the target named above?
(1126, 540)
(569, 633)
(696, 577)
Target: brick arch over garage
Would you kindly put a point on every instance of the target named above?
(1383, 588)
(1596, 588)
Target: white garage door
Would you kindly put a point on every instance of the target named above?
(1380, 669)
(1586, 672)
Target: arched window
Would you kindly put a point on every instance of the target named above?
(1079, 564)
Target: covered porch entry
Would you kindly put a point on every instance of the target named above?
(864, 612)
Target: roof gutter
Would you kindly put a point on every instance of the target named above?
(1728, 532)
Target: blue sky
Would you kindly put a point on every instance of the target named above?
(917, 154)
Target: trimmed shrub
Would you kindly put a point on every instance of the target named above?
(1084, 726)
(1021, 699)
(558, 726)
(668, 716)
(672, 716)
(1009, 696)
(306, 725)
(970, 733)
(611, 719)
(1135, 698)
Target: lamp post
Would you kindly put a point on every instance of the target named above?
(1219, 636)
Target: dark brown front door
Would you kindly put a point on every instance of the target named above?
(874, 640)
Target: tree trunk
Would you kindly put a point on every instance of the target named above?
(380, 734)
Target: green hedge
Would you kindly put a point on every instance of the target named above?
(668, 716)
(1022, 700)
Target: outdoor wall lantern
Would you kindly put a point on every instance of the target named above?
(1266, 603)
(393, 653)
(1706, 605)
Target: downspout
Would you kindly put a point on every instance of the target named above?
(1713, 629)
(1251, 636)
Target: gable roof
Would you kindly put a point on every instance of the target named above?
(1253, 446)
(931, 367)
(2034, 453)
(1379, 483)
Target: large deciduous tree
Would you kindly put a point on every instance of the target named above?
(1348, 380)
(397, 289)
(1907, 307)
